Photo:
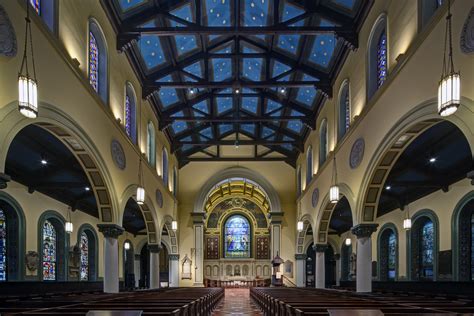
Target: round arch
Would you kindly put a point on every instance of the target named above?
(172, 242)
(94, 263)
(455, 233)
(403, 132)
(63, 127)
(238, 172)
(301, 236)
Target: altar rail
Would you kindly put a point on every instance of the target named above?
(236, 283)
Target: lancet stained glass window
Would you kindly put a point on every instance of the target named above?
(128, 116)
(49, 251)
(472, 247)
(3, 246)
(382, 59)
(427, 251)
(93, 62)
(36, 4)
(84, 245)
(237, 237)
(392, 248)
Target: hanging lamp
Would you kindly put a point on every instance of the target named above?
(449, 89)
(68, 226)
(27, 84)
(407, 220)
(300, 226)
(348, 241)
(174, 225)
(334, 189)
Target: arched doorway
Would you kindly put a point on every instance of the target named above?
(144, 267)
(128, 264)
(330, 267)
(310, 266)
(387, 253)
(346, 259)
(164, 266)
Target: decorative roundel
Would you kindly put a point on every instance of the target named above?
(118, 155)
(159, 198)
(357, 153)
(315, 197)
(467, 34)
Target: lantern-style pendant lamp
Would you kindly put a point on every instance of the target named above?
(334, 189)
(299, 226)
(27, 84)
(348, 241)
(174, 225)
(68, 226)
(449, 90)
(407, 221)
(126, 245)
(140, 195)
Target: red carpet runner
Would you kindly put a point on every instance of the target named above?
(237, 302)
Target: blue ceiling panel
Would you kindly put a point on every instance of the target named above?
(250, 104)
(185, 43)
(202, 106)
(184, 13)
(252, 68)
(289, 43)
(217, 13)
(151, 51)
(179, 126)
(272, 106)
(207, 132)
(306, 95)
(223, 104)
(290, 11)
(323, 50)
(249, 128)
(127, 5)
(267, 132)
(279, 68)
(225, 128)
(347, 4)
(295, 125)
(194, 69)
(256, 12)
(221, 68)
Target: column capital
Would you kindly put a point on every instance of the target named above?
(110, 230)
(275, 217)
(337, 256)
(320, 247)
(174, 257)
(154, 248)
(364, 230)
(198, 218)
(300, 256)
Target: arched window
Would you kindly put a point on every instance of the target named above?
(298, 181)
(130, 113)
(46, 9)
(423, 257)
(463, 239)
(309, 165)
(427, 10)
(346, 252)
(3, 246)
(50, 246)
(323, 142)
(388, 254)
(84, 247)
(377, 62)
(151, 145)
(237, 237)
(98, 60)
(344, 110)
(164, 165)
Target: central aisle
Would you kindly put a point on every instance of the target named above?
(237, 302)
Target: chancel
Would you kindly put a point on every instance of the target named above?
(221, 157)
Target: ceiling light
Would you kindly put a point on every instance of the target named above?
(300, 226)
(237, 91)
(69, 227)
(348, 241)
(126, 245)
(432, 159)
(388, 188)
(44, 161)
(87, 188)
(282, 90)
(174, 225)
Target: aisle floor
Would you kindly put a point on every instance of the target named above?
(237, 302)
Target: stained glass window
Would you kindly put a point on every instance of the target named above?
(128, 116)
(344, 111)
(84, 257)
(392, 248)
(93, 62)
(165, 167)
(382, 59)
(36, 4)
(49, 251)
(151, 152)
(237, 237)
(472, 247)
(3, 246)
(323, 143)
(427, 249)
(309, 165)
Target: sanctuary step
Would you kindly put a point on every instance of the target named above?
(306, 301)
(171, 301)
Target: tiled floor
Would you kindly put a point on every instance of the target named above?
(237, 302)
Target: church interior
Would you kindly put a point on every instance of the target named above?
(236, 157)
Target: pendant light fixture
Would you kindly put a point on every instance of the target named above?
(68, 226)
(407, 220)
(174, 225)
(300, 226)
(449, 90)
(27, 84)
(334, 189)
(126, 244)
(348, 241)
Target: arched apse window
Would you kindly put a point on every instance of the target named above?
(12, 240)
(237, 237)
(175, 181)
(463, 239)
(427, 9)
(309, 165)
(323, 142)
(53, 243)
(130, 112)
(424, 247)
(346, 252)
(98, 61)
(298, 181)
(388, 253)
(344, 110)
(377, 56)
(47, 10)
(164, 167)
(151, 144)
(87, 242)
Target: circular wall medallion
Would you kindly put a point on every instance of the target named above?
(357, 153)
(117, 154)
(315, 197)
(467, 34)
(159, 198)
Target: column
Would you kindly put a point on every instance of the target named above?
(136, 269)
(364, 256)
(275, 233)
(320, 265)
(198, 223)
(111, 258)
(338, 269)
(154, 265)
(300, 269)
(174, 270)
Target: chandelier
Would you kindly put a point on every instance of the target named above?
(27, 84)
(449, 90)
